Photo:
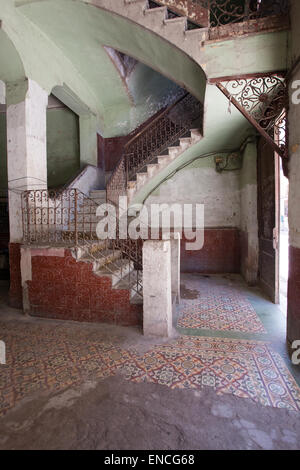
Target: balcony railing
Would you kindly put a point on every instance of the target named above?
(230, 17)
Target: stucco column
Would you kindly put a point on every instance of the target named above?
(175, 239)
(2, 93)
(26, 147)
(88, 140)
(157, 288)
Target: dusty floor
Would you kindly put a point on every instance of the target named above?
(220, 383)
(116, 414)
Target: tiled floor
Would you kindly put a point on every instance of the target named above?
(240, 355)
(219, 307)
(248, 369)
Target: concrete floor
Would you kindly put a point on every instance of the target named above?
(115, 414)
(79, 386)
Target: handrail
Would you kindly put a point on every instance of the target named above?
(161, 133)
(158, 117)
(223, 13)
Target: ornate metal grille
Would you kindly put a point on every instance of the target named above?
(57, 216)
(263, 100)
(224, 12)
(232, 17)
(68, 218)
(161, 133)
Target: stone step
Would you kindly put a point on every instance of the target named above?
(98, 193)
(154, 17)
(133, 283)
(196, 135)
(141, 179)
(102, 258)
(91, 248)
(185, 142)
(117, 270)
(174, 151)
(180, 22)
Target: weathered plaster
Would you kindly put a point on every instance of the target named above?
(2, 92)
(88, 140)
(63, 153)
(219, 192)
(249, 219)
(157, 289)
(95, 27)
(266, 52)
(26, 152)
(224, 130)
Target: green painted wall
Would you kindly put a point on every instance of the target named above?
(63, 154)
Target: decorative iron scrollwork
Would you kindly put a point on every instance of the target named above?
(161, 133)
(263, 101)
(224, 12)
(262, 97)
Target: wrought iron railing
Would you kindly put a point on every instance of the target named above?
(173, 123)
(223, 13)
(263, 99)
(68, 218)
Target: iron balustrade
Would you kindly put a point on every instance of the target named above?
(230, 17)
(68, 218)
(173, 123)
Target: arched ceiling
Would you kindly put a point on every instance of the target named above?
(11, 67)
(69, 38)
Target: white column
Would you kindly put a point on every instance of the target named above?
(175, 266)
(174, 238)
(157, 288)
(26, 147)
(2, 92)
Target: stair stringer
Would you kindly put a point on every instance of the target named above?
(154, 169)
(118, 270)
(173, 30)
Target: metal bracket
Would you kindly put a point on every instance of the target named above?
(263, 101)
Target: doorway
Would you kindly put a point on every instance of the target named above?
(268, 170)
(283, 240)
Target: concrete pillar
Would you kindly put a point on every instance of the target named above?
(26, 147)
(88, 140)
(175, 264)
(2, 93)
(157, 288)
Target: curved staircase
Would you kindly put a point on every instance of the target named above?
(178, 30)
(167, 137)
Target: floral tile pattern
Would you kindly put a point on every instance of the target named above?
(247, 369)
(51, 356)
(220, 308)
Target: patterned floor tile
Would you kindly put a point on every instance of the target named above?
(47, 356)
(220, 308)
(246, 369)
